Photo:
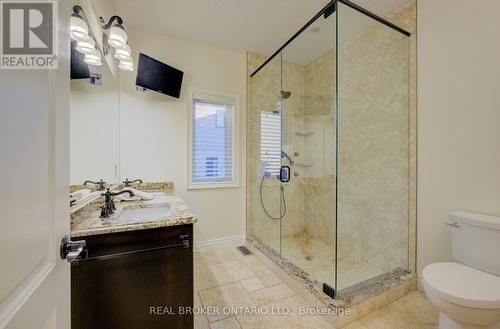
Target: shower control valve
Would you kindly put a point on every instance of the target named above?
(285, 174)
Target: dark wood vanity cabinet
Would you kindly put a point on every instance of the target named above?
(134, 280)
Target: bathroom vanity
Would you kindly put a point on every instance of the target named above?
(136, 270)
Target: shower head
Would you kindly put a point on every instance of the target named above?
(285, 94)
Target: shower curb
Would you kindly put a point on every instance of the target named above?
(357, 301)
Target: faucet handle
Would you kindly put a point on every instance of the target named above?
(102, 185)
(107, 193)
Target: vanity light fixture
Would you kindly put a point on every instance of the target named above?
(115, 37)
(85, 41)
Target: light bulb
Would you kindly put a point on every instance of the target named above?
(123, 53)
(78, 28)
(117, 37)
(93, 58)
(126, 65)
(86, 45)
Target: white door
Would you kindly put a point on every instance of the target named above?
(34, 201)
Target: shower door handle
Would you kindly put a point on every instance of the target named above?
(285, 174)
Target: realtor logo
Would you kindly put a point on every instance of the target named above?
(28, 36)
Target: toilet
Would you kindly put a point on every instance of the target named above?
(467, 292)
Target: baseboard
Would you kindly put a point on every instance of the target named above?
(420, 285)
(230, 241)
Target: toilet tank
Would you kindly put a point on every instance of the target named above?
(475, 240)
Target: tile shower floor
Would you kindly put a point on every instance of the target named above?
(224, 277)
(316, 258)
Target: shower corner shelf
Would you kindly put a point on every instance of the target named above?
(304, 133)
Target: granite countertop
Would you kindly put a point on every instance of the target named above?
(164, 210)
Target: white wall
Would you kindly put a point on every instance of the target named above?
(153, 128)
(459, 117)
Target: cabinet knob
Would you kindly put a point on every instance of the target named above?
(183, 240)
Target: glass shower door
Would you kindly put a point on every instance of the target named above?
(308, 136)
(373, 162)
(264, 133)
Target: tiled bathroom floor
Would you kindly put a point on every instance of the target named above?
(224, 277)
(317, 259)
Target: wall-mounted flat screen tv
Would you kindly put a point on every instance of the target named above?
(155, 75)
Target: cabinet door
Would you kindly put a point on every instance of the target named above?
(137, 289)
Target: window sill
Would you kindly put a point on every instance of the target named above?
(199, 186)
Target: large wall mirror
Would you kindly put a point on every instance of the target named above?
(94, 122)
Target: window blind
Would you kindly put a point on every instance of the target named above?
(270, 141)
(212, 141)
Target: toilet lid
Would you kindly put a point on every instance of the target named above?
(463, 285)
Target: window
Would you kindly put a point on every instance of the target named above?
(220, 119)
(212, 140)
(270, 142)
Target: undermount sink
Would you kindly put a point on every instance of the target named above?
(150, 213)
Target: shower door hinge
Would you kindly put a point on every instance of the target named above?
(327, 289)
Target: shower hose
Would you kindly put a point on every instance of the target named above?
(282, 199)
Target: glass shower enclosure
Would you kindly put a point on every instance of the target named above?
(328, 150)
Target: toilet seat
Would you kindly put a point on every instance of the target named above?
(463, 285)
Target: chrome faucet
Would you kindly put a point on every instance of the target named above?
(129, 183)
(109, 205)
(101, 184)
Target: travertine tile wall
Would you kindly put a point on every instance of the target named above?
(374, 161)
(319, 179)
(377, 166)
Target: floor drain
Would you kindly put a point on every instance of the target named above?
(244, 250)
(308, 258)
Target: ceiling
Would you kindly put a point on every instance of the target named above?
(260, 26)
